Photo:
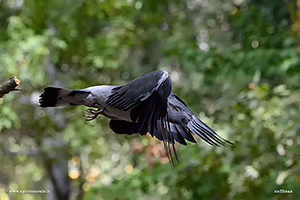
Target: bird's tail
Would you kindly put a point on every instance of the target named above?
(54, 96)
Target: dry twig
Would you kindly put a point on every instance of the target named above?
(9, 85)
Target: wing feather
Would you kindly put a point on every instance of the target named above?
(127, 96)
(185, 133)
(186, 122)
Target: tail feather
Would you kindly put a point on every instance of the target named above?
(54, 96)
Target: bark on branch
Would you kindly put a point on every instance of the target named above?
(9, 85)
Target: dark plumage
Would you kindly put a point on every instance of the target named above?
(145, 105)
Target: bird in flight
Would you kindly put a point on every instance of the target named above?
(145, 105)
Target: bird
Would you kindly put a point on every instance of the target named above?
(144, 105)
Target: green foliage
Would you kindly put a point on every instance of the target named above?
(235, 64)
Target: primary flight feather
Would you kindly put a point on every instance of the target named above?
(145, 105)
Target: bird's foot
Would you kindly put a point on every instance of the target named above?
(94, 113)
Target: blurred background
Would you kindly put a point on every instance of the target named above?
(234, 62)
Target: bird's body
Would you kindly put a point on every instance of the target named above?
(99, 96)
(145, 105)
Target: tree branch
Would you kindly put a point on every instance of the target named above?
(9, 85)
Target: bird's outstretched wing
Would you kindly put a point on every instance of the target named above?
(181, 123)
(191, 123)
(145, 97)
(130, 95)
